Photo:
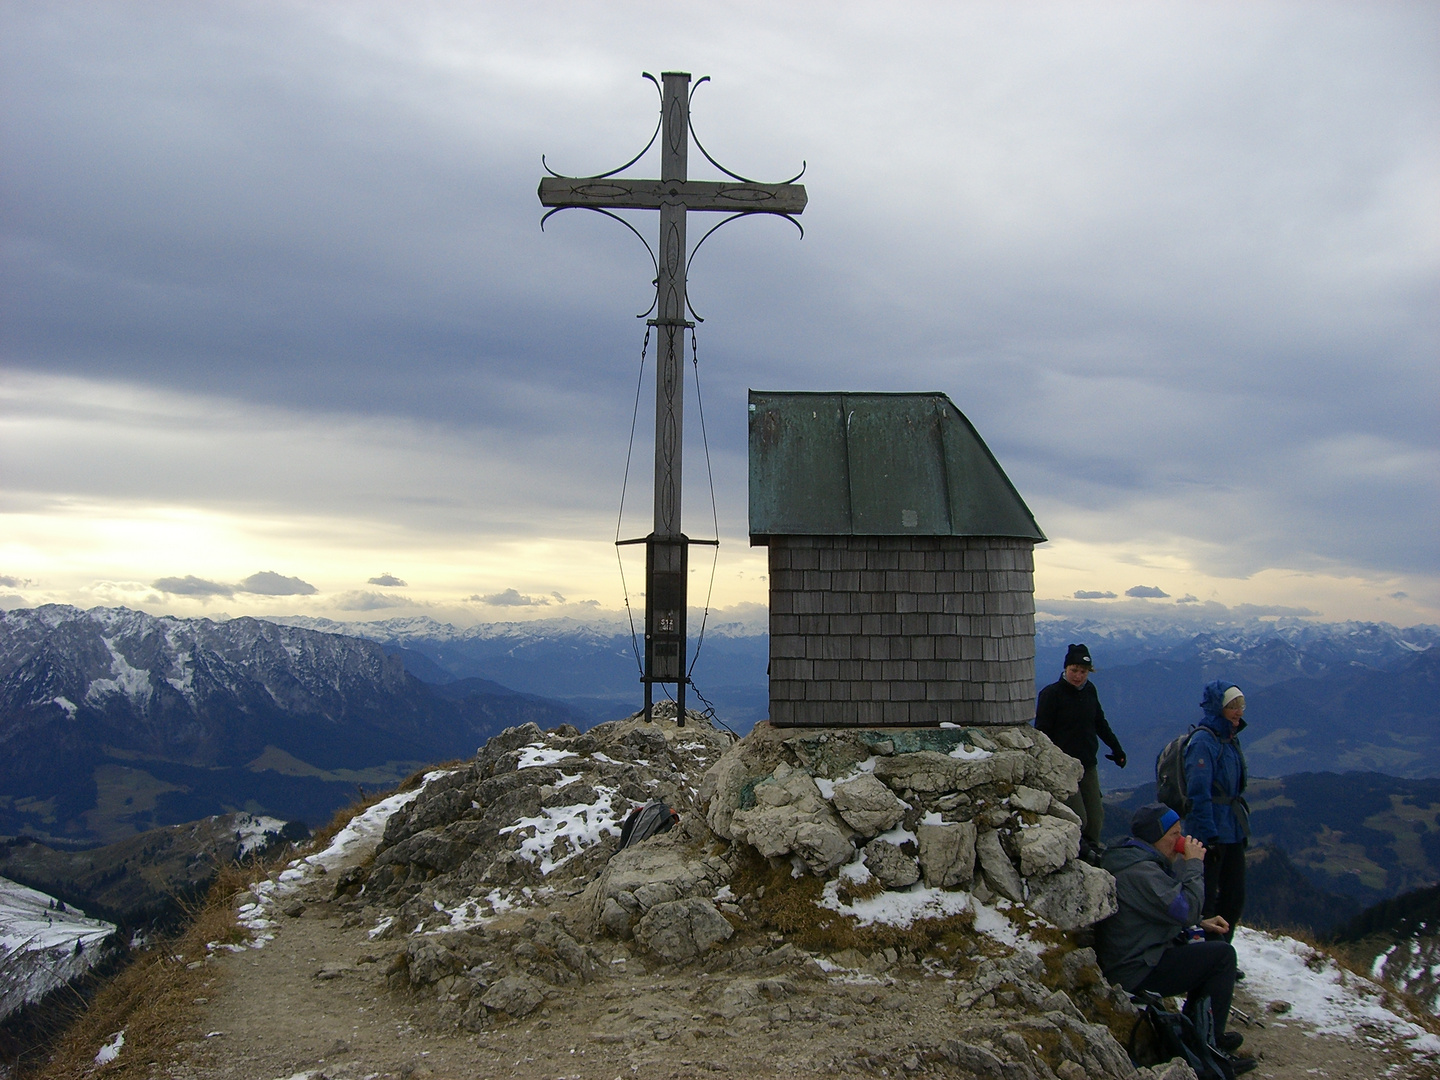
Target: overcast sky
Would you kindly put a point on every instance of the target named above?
(281, 333)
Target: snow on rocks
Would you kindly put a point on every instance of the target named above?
(1323, 996)
(984, 804)
(534, 812)
(349, 849)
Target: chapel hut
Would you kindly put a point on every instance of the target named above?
(901, 563)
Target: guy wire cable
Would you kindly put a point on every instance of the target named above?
(619, 518)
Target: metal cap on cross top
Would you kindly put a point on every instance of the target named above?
(673, 194)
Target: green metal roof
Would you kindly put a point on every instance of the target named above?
(875, 465)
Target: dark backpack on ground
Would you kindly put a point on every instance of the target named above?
(1170, 787)
(645, 821)
(1160, 1035)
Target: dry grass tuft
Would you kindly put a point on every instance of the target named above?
(321, 837)
(153, 999)
(363, 800)
(788, 905)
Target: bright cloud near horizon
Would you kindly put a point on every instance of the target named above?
(280, 334)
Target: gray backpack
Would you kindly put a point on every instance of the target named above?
(1170, 787)
(645, 821)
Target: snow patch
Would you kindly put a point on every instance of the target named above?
(966, 752)
(1322, 996)
(133, 682)
(896, 908)
(827, 787)
(898, 835)
(561, 832)
(111, 1050)
(44, 944)
(255, 831)
(538, 754)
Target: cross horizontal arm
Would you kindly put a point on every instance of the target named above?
(620, 194)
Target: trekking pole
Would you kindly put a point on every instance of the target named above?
(1244, 1017)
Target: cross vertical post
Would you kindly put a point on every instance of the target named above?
(667, 548)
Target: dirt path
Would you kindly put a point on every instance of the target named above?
(315, 1001)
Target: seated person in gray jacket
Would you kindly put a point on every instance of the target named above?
(1160, 886)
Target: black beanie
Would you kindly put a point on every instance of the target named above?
(1152, 821)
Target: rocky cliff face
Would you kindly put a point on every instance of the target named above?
(112, 721)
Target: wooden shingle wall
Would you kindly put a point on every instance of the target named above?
(901, 630)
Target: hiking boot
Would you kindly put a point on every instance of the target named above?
(1242, 1065)
(1239, 975)
(1230, 1041)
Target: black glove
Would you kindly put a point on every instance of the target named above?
(1118, 757)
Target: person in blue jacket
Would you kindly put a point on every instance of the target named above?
(1215, 777)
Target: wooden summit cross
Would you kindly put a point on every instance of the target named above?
(667, 547)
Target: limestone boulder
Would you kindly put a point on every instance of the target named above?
(1049, 767)
(999, 872)
(516, 995)
(659, 870)
(791, 817)
(1013, 738)
(1046, 847)
(891, 865)
(791, 787)
(1076, 895)
(682, 929)
(947, 853)
(822, 847)
(729, 784)
(867, 805)
(1060, 810)
(930, 772)
(1035, 800)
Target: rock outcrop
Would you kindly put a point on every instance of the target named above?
(956, 806)
(500, 886)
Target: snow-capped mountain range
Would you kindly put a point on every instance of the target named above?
(113, 721)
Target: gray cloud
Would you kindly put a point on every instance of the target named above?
(269, 583)
(190, 585)
(359, 600)
(511, 598)
(1176, 278)
(1146, 591)
(1090, 594)
(1188, 598)
(10, 582)
(387, 580)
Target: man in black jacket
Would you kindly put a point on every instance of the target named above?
(1069, 712)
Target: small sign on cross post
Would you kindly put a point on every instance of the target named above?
(674, 194)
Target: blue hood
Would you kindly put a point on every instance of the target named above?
(1210, 703)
